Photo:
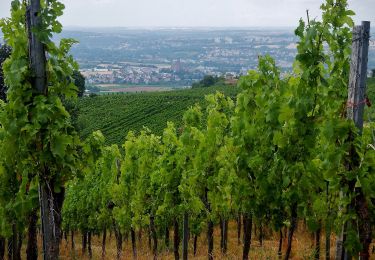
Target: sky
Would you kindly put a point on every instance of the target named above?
(194, 13)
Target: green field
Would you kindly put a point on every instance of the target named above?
(116, 114)
(126, 88)
(371, 89)
(136, 88)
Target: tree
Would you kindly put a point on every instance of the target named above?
(71, 105)
(5, 52)
(79, 81)
(208, 81)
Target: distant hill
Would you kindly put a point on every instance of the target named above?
(116, 114)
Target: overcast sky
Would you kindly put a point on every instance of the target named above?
(192, 13)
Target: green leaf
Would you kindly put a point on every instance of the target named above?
(59, 145)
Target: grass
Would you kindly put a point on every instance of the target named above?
(303, 247)
(104, 86)
(371, 89)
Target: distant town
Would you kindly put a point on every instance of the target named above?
(177, 58)
(129, 73)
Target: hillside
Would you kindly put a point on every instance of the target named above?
(371, 89)
(116, 114)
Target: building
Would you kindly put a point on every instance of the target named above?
(177, 66)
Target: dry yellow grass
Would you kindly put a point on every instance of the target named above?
(303, 247)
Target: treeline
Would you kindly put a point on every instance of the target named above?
(209, 81)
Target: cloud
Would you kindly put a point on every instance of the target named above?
(140, 13)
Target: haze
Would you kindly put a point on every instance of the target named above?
(194, 13)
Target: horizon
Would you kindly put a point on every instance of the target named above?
(194, 13)
(179, 28)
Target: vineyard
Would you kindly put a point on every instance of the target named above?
(247, 173)
(116, 114)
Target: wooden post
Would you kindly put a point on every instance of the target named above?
(247, 228)
(176, 239)
(2, 247)
(355, 108)
(358, 74)
(134, 246)
(37, 54)
(50, 202)
(185, 238)
(32, 235)
(360, 202)
(154, 236)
